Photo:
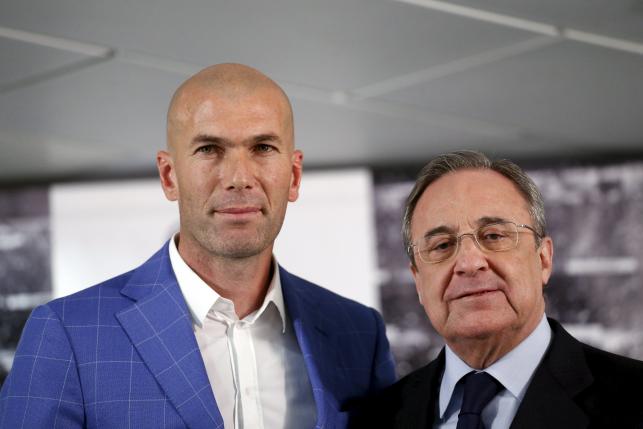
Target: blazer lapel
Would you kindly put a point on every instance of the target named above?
(160, 328)
(562, 375)
(313, 334)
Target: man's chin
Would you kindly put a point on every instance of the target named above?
(477, 326)
(239, 253)
(233, 243)
(236, 249)
(238, 246)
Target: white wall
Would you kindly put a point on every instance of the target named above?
(328, 236)
(100, 230)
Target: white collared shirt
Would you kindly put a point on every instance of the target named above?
(255, 367)
(514, 370)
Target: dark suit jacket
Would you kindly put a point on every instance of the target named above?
(575, 386)
(123, 354)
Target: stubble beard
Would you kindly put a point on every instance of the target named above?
(230, 242)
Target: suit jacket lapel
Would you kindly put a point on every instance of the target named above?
(313, 332)
(562, 375)
(160, 328)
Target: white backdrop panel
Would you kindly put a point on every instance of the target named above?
(99, 230)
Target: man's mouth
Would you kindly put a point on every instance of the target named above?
(474, 293)
(239, 210)
(479, 293)
(238, 214)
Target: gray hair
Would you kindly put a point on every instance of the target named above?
(467, 159)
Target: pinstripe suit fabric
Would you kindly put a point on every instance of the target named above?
(123, 354)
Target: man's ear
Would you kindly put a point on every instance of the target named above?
(167, 174)
(295, 181)
(546, 255)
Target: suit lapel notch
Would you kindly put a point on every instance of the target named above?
(160, 329)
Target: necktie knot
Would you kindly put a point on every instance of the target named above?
(479, 389)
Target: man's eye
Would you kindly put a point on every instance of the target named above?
(209, 149)
(264, 148)
(493, 236)
(205, 149)
(441, 245)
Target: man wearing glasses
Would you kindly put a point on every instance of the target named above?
(480, 256)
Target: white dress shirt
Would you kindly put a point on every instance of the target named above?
(514, 370)
(255, 367)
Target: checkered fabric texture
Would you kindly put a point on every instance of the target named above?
(123, 354)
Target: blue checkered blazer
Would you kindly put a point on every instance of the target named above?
(123, 354)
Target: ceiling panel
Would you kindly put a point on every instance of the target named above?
(567, 93)
(112, 110)
(613, 18)
(31, 156)
(340, 135)
(372, 81)
(22, 62)
(335, 44)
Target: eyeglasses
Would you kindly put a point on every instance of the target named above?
(493, 237)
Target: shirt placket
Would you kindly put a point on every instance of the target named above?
(247, 404)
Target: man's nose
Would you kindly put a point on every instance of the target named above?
(239, 172)
(470, 258)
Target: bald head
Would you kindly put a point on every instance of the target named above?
(229, 82)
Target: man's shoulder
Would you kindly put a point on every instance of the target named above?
(337, 313)
(605, 385)
(409, 402)
(317, 294)
(424, 379)
(615, 389)
(107, 292)
(610, 367)
(597, 360)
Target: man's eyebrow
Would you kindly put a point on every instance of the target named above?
(442, 229)
(207, 138)
(267, 137)
(486, 220)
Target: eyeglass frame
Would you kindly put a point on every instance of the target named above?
(474, 235)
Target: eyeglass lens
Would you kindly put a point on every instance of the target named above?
(495, 237)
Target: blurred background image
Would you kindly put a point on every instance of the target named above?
(378, 88)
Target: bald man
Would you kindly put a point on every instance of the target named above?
(210, 332)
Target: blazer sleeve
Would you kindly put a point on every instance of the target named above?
(383, 374)
(42, 389)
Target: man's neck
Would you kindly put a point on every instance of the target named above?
(482, 352)
(479, 353)
(244, 281)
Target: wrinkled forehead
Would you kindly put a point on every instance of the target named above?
(466, 199)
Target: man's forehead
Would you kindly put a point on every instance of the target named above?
(206, 111)
(199, 103)
(232, 93)
(469, 198)
(467, 187)
(451, 226)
